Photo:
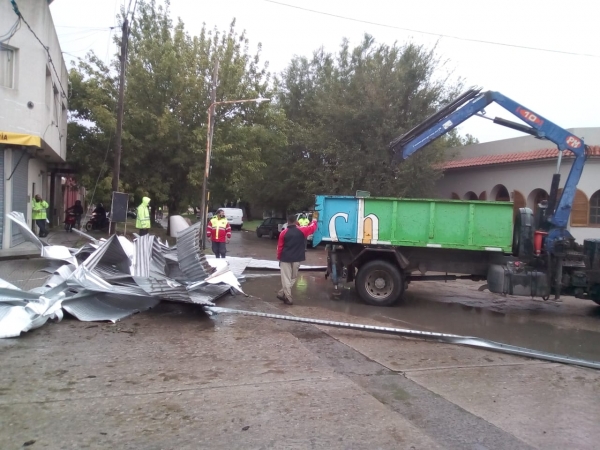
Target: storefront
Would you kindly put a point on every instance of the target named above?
(17, 157)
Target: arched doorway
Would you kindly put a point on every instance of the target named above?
(471, 196)
(500, 194)
(518, 202)
(483, 196)
(454, 196)
(535, 198)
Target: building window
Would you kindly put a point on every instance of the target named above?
(595, 209)
(7, 66)
(580, 213)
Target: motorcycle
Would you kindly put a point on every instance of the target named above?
(70, 221)
(96, 223)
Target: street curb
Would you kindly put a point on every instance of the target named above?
(17, 257)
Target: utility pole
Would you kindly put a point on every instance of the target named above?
(120, 107)
(209, 136)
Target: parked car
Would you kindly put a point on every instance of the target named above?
(235, 217)
(270, 227)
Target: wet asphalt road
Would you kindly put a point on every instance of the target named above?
(172, 377)
(570, 327)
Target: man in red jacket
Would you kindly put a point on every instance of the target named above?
(290, 253)
(218, 232)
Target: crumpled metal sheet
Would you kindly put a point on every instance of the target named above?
(110, 252)
(149, 259)
(22, 311)
(208, 294)
(114, 278)
(163, 288)
(100, 306)
(18, 219)
(192, 261)
(236, 264)
(85, 235)
(59, 252)
(14, 320)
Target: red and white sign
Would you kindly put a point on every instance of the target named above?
(573, 142)
(529, 116)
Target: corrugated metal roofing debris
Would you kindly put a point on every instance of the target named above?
(112, 278)
(192, 261)
(99, 306)
(18, 219)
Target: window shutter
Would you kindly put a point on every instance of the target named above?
(580, 212)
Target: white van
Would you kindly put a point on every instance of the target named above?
(235, 217)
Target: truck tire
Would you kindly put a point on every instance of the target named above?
(379, 283)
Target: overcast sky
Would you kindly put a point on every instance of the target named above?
(562, 85)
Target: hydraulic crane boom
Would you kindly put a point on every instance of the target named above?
(472, 103)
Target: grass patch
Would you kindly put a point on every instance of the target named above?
(251, 225)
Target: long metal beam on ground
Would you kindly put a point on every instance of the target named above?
(440, 337)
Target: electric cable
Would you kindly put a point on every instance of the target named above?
(20, 15)
(480, 41)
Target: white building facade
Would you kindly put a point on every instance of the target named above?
(33, 112)
(520, 170)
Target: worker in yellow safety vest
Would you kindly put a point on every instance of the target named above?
(219, 233)
(39, 208)
(303, 220)
(142, 221)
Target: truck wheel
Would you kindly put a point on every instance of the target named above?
(594, 294)
(379, 283)
(258, 234)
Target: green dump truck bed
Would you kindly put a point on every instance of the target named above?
(466, 225)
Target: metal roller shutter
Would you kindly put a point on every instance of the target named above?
(1, 195)
(19, 190)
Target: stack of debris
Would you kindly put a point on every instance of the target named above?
(114, 278)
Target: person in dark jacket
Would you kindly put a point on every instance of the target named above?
(100, 215)
(77, 211)
(290, 253)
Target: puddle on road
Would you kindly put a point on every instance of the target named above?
(520, 327)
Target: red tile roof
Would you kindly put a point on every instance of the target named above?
(534, 155)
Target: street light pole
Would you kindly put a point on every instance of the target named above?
(203, 205)
(210, 126)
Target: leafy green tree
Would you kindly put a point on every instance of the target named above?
(347, 107)
(326, 130)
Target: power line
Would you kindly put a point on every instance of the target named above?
(480, 41)
(18, 13)
(11, 31)
(70, 26)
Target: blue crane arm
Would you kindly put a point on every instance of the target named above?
(473, 103)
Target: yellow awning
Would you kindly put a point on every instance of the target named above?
(6, 137)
